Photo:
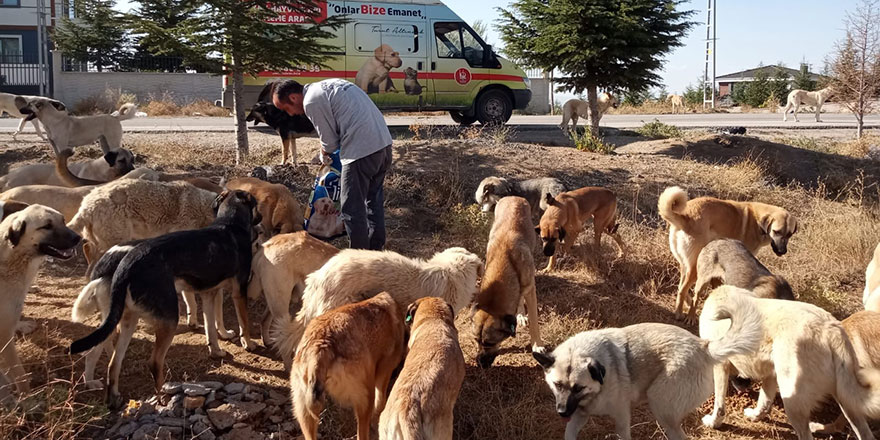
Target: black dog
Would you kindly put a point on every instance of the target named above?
(287, 126)
(147, 278)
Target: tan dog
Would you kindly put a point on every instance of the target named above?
(424, 394)
(279, 269)
(798, 97)
(575, 108)
(60, 198)
(281, 212)
(103, 169)
(349, 355)
(28, 234)
(564, 219)
(509, 280)
(695, 223)
(373, 77)
(871, 297)
(676, 101)
(804, 354)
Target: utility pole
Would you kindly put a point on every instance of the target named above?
(711, 36)
(42, 44)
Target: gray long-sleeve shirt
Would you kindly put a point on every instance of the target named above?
(345, 118)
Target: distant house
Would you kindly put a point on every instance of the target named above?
(19, 44)
(725, 84)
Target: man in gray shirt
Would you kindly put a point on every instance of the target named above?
(346, 119)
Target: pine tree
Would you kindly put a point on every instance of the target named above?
(233, 37)
(803, 80)
(97, 34)
(166, 14)
(607, 44)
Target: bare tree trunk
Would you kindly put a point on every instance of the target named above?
(593, 103)
(860, 123)
(241, 136)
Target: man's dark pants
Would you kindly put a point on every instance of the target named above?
(362, 198)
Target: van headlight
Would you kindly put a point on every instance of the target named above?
(527, 82)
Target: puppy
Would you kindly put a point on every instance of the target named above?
(7, 104)
(113, 165)
(348, 354)
(280, 267)
(564, 219)
(574, 108)
(492, 189)
(325, 221)
(509, 280)
(605, 372)
(411, 83)
(353, 274)
(281, 212)
(288, 127)
(804, 353)
(66, 131)
(727, 261)
(148, 278)
(871, 297)
(424, 394)
(695, 223)
(373, 76)
(28, 234)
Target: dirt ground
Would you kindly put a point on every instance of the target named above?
(429, 206)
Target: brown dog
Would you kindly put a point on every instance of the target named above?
(565, 216)
(695, 223)
(281, 212)
(349, 355)
(373, 77)
(508, 281)
(421, 402)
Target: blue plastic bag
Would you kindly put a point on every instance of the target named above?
(323, 216)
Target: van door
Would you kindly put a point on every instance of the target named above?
(388, 61)
(457, 69)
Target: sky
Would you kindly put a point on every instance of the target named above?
(750, 32)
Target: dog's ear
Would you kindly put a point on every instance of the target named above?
(379, 53)
(9, 207)
(20, 103)
(509, 325)
(544, 358)
(549, 199)
(16, 230)
(110, 157)
(765, 222)
(489, 188)
(411, 313)
(597, 371)
(562, 235)
(795, 223)
(538, 230)
(58, 105)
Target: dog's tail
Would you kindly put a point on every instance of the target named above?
(86, 303)
(404, 424)
(285, 337)
(118, 294)
(126, 111)
(746, 328)
(310, 377)
(671, 206)
(64, 173)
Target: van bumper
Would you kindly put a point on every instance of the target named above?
(521, 98)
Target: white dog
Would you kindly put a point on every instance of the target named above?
(676, 100)
(798, 97)
(7, 104)
(355, 274)
(66, 131)
(575, 108)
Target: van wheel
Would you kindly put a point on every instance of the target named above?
(494, 107)
(461, 119)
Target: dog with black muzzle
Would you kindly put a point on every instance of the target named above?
(288, 127)
(566, 215)
(28, 234)
(508, 282)
(148, 278)
(605, 372)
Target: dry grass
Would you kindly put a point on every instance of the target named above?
(202, 107)
(429, 207)
(106, 102)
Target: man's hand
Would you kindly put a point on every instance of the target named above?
(325, 158)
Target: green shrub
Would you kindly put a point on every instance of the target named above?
(658, 130)
(587, 141)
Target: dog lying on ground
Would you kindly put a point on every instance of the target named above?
(348, 354)
(804, 354)
(147, 279)
(694, 223)
(113, 165)
(280, 267)
(492, 189)
(373, 76)
(727, 261)
(424, 394)
(871, 297)
(798, 97)
(288, 127)
(354, 274)
(281, 212)
(509, 281)
(66, 131)
(60, 198)
(28, 234)
(564, 219)
(605, 372)
(575, 108)
(676, 101)
(133, 209)
(7, 104)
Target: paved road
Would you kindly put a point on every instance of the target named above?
(752, 120)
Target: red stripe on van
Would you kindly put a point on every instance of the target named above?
(394, 75)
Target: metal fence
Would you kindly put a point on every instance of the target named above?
(136, 63)
(19, 70)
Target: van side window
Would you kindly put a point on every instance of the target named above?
(402, 38)
(457, 41)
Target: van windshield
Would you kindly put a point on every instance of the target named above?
(457, 41)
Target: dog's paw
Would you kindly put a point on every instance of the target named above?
(754, 414)
(522, 321)
(94, 384)
(216, 353)
(539, 349)
(712, 421)
(248, 344)
(225, 334)
(25, 327)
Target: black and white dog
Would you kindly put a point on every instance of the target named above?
(288, 127)
(150, 274)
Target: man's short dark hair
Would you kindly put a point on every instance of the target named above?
(288, 87)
